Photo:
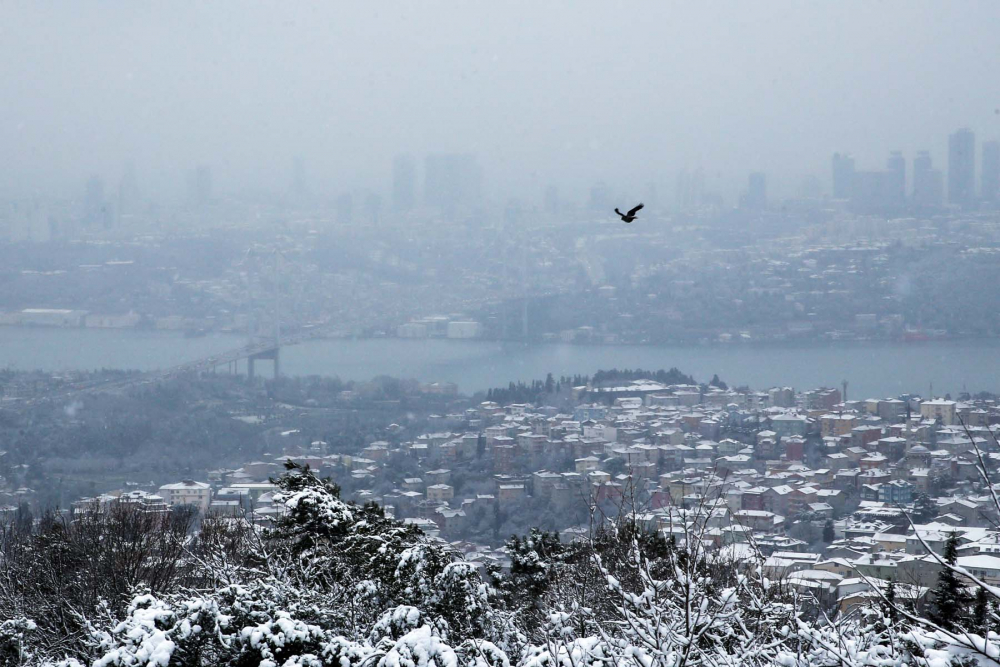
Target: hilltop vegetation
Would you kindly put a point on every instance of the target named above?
(336, 583)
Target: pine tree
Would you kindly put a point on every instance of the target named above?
(828, 533)
(924, 509)
(979, 621)
(951, 601)
(890, 601)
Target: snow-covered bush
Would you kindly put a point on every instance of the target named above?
(339, 584)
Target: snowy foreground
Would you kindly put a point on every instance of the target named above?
(340, 584)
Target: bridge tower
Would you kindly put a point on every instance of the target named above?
(270, 352)
(273, 354)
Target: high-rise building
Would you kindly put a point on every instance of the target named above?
(756, 196)
(452, 180)
(962, 167)
(843, 175)
(896, 179)
(991, 171)
(404, 183)
(928, 183)
(96, 211)
(600, 198)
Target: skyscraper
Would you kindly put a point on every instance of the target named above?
(928, 183)
(600, 197)
(756, 196)
(843, 175)
(96, 212)
(991, 171)
(404, 178)
(895, 180)
(962, 167)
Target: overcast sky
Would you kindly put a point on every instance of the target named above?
(544, 92)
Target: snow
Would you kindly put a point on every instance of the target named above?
(420, 648)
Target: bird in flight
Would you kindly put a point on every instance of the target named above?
(630, 216)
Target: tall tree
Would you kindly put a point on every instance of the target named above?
(828, 533)
(924, 509)
(951, 601)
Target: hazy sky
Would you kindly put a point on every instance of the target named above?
(545, 92)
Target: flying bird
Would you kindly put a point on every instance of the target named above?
(630, 216)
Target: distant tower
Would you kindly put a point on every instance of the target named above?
(991, 171)
(95, 206)
(962, 167)
(404, 178)
(896, 179)
(928, 183)
(843, 396)
(843, 175)
(600, 198)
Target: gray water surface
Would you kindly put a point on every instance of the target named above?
(871, 368)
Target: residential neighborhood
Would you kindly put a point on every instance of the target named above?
(835, 494)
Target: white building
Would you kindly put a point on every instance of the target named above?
(187, 492)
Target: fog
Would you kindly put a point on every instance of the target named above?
(567, 93)
(381, 332)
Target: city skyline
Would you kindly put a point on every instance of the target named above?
(908, 178)
(730, 89)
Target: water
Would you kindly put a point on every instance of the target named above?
(873, 369)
